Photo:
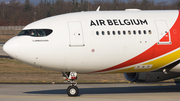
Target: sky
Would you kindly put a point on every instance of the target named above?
(37, 1)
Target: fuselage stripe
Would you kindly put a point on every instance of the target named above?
(153, 52)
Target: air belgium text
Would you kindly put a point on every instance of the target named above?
(118, 22)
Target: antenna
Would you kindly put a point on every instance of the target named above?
(98, 8)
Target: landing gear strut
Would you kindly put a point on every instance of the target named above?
(72, 90)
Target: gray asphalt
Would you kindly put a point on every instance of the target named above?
(90, 92)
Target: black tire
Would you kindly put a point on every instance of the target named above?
(72, 91)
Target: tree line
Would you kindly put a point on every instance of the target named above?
(15, 13)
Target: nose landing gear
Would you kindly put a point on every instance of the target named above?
(72, 90)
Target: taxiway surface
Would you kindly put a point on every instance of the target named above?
(90, 92)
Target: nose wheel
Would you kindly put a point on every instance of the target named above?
(72, 90)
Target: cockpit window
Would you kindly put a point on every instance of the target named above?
(35, 32)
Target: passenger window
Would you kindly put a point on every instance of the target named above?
(149, 31)
(144, 31)
(108, 32)
(97, 33)
(139, 32)
(119, 33)
(102, 32)
(124, 32)
(129, 32)
(114, 33)
(134, 32)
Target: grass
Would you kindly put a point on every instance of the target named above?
(13, 71)
(11, 66)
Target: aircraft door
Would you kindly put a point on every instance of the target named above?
(75, 34)
(163, 32)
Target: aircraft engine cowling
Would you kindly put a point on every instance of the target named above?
(150, 76)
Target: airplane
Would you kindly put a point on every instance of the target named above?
(142, 44)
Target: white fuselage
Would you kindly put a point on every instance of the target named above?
(75, 45)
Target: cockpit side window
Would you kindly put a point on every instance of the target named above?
(47, 31)
(36, 32)
(40, 33)
(33, 33)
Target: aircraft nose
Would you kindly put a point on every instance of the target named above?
(10, 48)
(7, 48)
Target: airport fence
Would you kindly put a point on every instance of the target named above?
(10, 30)
(11, 27)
